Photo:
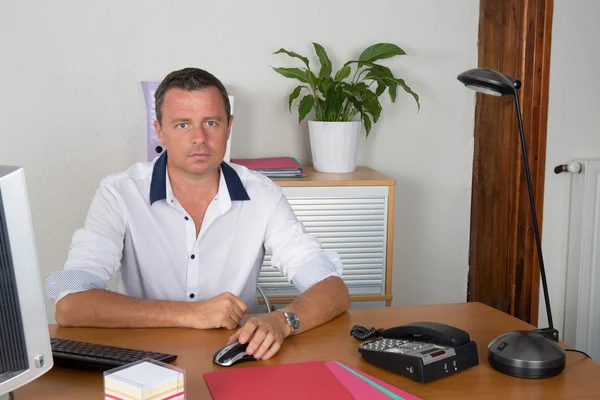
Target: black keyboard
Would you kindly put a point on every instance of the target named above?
(74, 354)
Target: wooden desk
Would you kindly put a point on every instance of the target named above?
(580, 379)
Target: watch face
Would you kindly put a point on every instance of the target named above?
(296, 324)
(292, 320)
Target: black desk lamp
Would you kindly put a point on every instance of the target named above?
(525, 354)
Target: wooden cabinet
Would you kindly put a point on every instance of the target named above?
(351, 213)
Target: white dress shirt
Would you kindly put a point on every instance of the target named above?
(137, 229)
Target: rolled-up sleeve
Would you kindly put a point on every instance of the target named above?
(296, 253)
(96, 250)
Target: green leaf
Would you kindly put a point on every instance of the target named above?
(394, 82)
(355, 89)
(384, 78)
(374, 77)
(380, 71)
(356, 103)
(361, 87)
(409, 91)
(306, 104)
(294, 95)
(324, 85)
(343, 73)
(294, 73)
(320, 106)
(366, 123)
(372, 106)
(292, 54)
(324, 60)
(351, 62)
(313, 81)
(392, 89)
(380, 51)
(376, 110)
(385, 74)
(333, 103)
(382, 83)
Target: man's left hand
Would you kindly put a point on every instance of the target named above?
(265, 333)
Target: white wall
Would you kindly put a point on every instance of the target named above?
(573, 122)
(72, 107)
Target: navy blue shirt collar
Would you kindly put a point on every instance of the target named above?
(158, 185)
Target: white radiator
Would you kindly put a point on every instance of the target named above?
(582, 297)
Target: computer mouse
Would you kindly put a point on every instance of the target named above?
(231, 354)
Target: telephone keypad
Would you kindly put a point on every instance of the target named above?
(401, 346)
(398, 346)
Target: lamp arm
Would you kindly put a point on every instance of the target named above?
(536, 229)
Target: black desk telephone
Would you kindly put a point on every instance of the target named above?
(423, 351)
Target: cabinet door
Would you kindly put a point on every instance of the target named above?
(349, 220)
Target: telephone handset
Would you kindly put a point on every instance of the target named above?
(423, 351)
(433, 331)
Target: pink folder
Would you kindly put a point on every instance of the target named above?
(361, 389)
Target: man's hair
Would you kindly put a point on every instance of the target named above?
(189, 79)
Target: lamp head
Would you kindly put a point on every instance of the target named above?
(488, 81)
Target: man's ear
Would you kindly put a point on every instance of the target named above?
(159, 132)
(229, 127)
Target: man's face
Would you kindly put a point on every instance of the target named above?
(194, 129)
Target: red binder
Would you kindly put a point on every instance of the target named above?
(272, 163)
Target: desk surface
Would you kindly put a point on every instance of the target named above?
(580, 379)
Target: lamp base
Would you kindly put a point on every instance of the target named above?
(527, 354)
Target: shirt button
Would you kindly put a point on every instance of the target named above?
(193, 256)
(192, 296)
(186, 218)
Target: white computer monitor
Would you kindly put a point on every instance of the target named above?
(25, 351)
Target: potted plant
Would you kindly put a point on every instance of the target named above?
(343, 102)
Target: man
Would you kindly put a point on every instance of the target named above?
(186, 236)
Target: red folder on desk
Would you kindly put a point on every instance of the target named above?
(306, 380)
(311, 380)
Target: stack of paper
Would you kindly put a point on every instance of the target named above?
(143, 381)
(274, 167)
(316, 380)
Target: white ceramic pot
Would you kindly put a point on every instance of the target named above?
(334, 145)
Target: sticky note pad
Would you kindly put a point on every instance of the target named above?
(145, 380)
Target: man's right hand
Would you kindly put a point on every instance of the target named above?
(222, 311)
(101, 308)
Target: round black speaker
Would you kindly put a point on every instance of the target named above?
(526, 354)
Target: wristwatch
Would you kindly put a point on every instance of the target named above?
(292, 320)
